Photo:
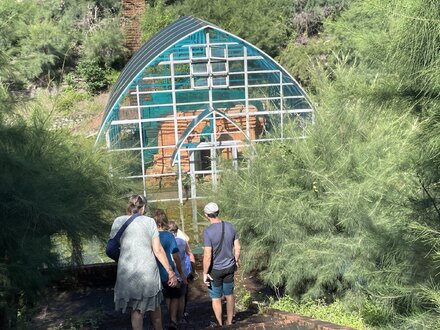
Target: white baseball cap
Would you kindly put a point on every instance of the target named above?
(211, 208)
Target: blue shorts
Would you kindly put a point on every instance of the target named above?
(223, 282)
(216, 292)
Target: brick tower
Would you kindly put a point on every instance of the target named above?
(132, 11)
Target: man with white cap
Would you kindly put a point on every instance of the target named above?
(221, 256)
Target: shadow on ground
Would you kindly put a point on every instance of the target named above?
(84, 300)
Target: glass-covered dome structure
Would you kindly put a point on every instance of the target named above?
(193, 96)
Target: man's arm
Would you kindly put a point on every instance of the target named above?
(207, 253)
(237, 251)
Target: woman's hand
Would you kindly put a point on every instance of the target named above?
(172, 279)
(159, 252)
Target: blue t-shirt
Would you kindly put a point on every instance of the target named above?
(212, 236)
(168, 243)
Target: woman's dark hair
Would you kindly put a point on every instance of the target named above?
(172, 226)
(135, 203)
(161, 218)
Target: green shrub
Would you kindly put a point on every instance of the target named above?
(374, 314)
(243, 297)
(333, 214)
(52, 183)
(67, 99)
(94, 76)
(106, 44)
(334, 313)
(299, 59)
(156, 17)
(112, 76)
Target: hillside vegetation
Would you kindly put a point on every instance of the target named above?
(349, 216)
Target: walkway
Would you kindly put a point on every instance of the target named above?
(84, 301)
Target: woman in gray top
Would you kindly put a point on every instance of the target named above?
(138, 286)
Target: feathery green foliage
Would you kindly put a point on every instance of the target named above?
(350, 214)
(264, 23)
(312, 210)
(52, 183)
(320, 219)
(415, 52)
(156, 17)
(334, 216)
(420, 28)
(104, 46)
(300, 59)
(69, 29)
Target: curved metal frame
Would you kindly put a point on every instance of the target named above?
(204, 115)
(172, 39)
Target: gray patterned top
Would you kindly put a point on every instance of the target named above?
(138, 276)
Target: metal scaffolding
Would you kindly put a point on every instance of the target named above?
(194, 96)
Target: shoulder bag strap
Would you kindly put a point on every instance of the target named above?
(124, 226)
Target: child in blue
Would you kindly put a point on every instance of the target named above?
(184, 255)
(168, 242)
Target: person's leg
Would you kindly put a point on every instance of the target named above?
(173, 309)
(182, 303)
(228, 290)
(137, 320)
(181, 309)
(216, 292)
(185, 300)
(230, 303)
(156, 318)
(168, 301)
(166, 294)
(217, 308)
(190, 280)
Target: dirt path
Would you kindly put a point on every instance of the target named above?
(84, 300)
(92, 307)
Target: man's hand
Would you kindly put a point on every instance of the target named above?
(207, 279)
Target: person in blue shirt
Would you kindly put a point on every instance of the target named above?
(184, 256)
(168, 242)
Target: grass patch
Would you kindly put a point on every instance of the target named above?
(334, 313)
(243, 297)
